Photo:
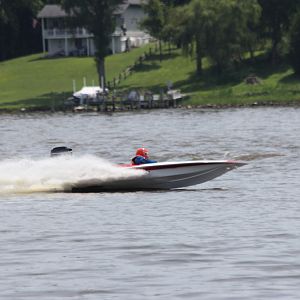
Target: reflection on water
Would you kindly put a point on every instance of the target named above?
(236, 237)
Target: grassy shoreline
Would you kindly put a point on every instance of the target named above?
(277, 84)
(35, 84)
(185, 106)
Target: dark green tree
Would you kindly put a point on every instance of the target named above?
(275, 21)
(18, 36)
(217, 29)
(175, 2)
(187, 25)
(295, 44)
(154, 22)
(97, 16)
(228, 30)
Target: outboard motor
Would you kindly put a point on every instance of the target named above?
(60, 151)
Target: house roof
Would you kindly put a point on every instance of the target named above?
(52, 11)
(121, 9)
(56, 11)
(136, 2)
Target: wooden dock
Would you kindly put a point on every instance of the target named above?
(132, 101)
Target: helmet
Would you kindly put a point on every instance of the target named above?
(142, 152)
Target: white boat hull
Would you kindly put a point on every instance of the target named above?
(163, 176)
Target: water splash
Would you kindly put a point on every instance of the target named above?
(57, 174)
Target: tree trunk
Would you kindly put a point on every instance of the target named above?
(274, 53)
(199, 65)
(2, 56)
(160, 51)
(276, 37)
(198, 58)
(252, 54)
(101, 72)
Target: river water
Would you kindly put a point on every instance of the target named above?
(235, 237)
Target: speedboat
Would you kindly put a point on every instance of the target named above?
(161, 176)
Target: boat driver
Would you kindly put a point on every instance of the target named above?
(142, 157)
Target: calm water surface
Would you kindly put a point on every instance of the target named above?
(236, 237)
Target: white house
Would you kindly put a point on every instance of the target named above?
(58, 39)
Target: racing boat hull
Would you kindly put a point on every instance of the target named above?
(163, 176)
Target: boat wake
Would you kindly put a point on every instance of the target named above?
(58, 174)
(257, 156)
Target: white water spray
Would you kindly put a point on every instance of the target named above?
(57, 174)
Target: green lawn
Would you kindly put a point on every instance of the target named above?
(33, 81)
(277, 84)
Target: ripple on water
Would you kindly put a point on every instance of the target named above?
(236, 237)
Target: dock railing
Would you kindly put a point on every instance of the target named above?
(134, 100)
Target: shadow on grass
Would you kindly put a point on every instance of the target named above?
(152, 62)
(212, 79)
(55, 58)
(147, 67)
(49, 101)
(156, 89)
(37, 59)
(164, 56)
(264, 69)
(290, 79)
